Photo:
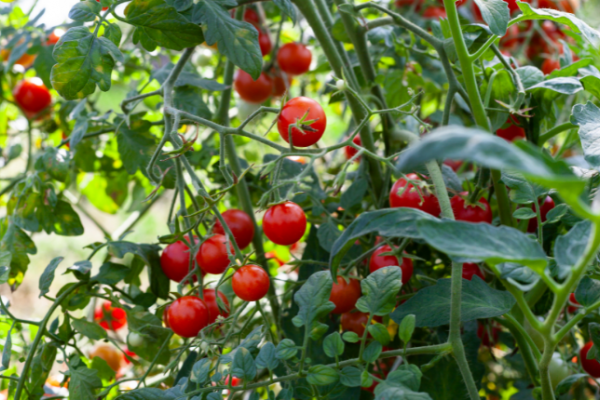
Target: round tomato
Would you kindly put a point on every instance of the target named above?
(294, 58)
(545, 207)
(512, 132)
(175, 261)
(26, 60)
(355, 322)
(480, 212)
(109, 317)
(453, 164)
(212, 256)
(344, 294)
(434, 13)
(378, 261)
(32, 96)
(284, 223)
(573, 304)
(488, 334)
(404, 194)
(264, 41)
(592, 367)
(235, 381)
(558, 369)
(250, 90)
(211, 303)
(471, 269)
(351, 151)
(280, 86)
(251, 16)
(240, 224)
(306, 114)
(550, 65)
(109, 354)
(250, 283)
(187, 316)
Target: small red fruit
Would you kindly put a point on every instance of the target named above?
(434, 13)
(264, 41)
(314, 121)
(279, 84)
(187, 316)
(109, 317)
(351, 151)
(251, 16)
(250, 90)
(545, 207)
(480, 212)
(32, 96)
(573, 304)
(549, 65)
(592, 367)
(294, 58)
(240, 224)
(212, 256)
(345, 295)
(250, 283)
(470, 270)
(378, 261)
(512, 132)
(175, 261)
(284, 223)
(355, 322)
(404, 194)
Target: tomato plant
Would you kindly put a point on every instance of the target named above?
(299, 199)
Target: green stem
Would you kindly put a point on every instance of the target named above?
(524, 344)
(555, 131)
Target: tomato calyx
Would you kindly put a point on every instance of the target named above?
(303, 124)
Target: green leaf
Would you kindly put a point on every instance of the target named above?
(557, 213)
(237, 40)
(200, 371)
(154, 335)
(83, 381)
(16, 242)
(7, 351)
(521, 190)
(188, 77)
(406, 328)
(565, 385)
(43, 362)
(267, 357)
(355, 193)
(594, 329)
(4, 269)
(591, 83)
(372, 352)
(313, 299)
(48, 275)
(84, 61)
(243, 365)
(113, 33)
(578, 26)
(287, 9)
(559, 85)
(379, 291)
(111, 273)
(389, 222)
(569, 248)
(85, 11)
(159, 24)
(530, 76)
(407, 375)
(588, 291)
(89, 329)
(587, 117)
(524, 213)
(189, 99)
(401, 393)
(321, 375)
(431, 305)
(286, 349)
(484, 242)
(379, 333)
(333, 345)
(327, 234)
(43, 64)
(105, 372)
(519, 275)
(496, 14)
(136, 145)
(478, 146)
(351, 337)
(350, 376)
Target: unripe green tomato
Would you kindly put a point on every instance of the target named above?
(558, 369)
(340, 84)
(204, 57)
(135, 339)
(537, 337)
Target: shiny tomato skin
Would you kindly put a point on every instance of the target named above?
(378, 261)
(294, 58)
(284, 223)
(250, 283)
(351, 151)
(355, 322)
(545, 207)
(592, 367)
(454, 164)
(109, 317)
(32, 96)
(253, 91)
(109, 354)
(211, 303)
(470, 270)
(264, 41)
(550, 65)
(251, 16)
(344, 295)
(212, 256)
(411, 198)
(240, 224)
(175, 261)
(511, 133)
(471, 213)
(434, 13)
(187, 316)
(296, 109)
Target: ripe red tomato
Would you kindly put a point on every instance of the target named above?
(284, 223)
(487, 334)
(250, 283)
(109, 317)
(264, 41)
(592, 367)
(251, 16)
(512, 132)
(471, 269)
(378, 261)
(344, 295)
(294, 58)
(355, 322)
(480, 212)
(511, 38)
(130, 354)
(187, 316)
(573, 304)
(434, 13)
(175, 261)
(550, 65)
(253, 91)
(103, 8)
(279, 84)
(109, 354)
(314, 121)
(212, 256)
(32, 96)
(240, 224)
(235, 381)
(454, 164)
(211, 303)
(351, 151)
(404, 194)
(545, 207)
(54, 37)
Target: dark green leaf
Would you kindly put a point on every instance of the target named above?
(104, 370)
(43, 64)
(587, 117)
(355, 193)
(556, 213)
(4, 269)
(43, 363)
(379, 291)
(111, 273)
(350, 337)
(286, 349)
(530, 76)
(136, 145)
(588, 291)
(113, 33)
(7, 351)
(313, 299)
(89, 329)
(333, 345)
(401, 393)
(189, 99)
(287, 8)
(48, 275)
(496, 14)
(565, 385)
(379, 333)
(154, 335)
(431, 305)
(569, 248)
(372, 352)
(519, 275)
(524, 213)
(243, 365)
(591, 83)
(559, 85)
(16, 242)
(321, 375)
(406, 328)
(328, 233)
(522, 191)
(200, 371)
(267, 357)
(350, 376)
(83, 381)
(407, 375)
(85, 11)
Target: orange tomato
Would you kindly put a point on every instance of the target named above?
(109, 354)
